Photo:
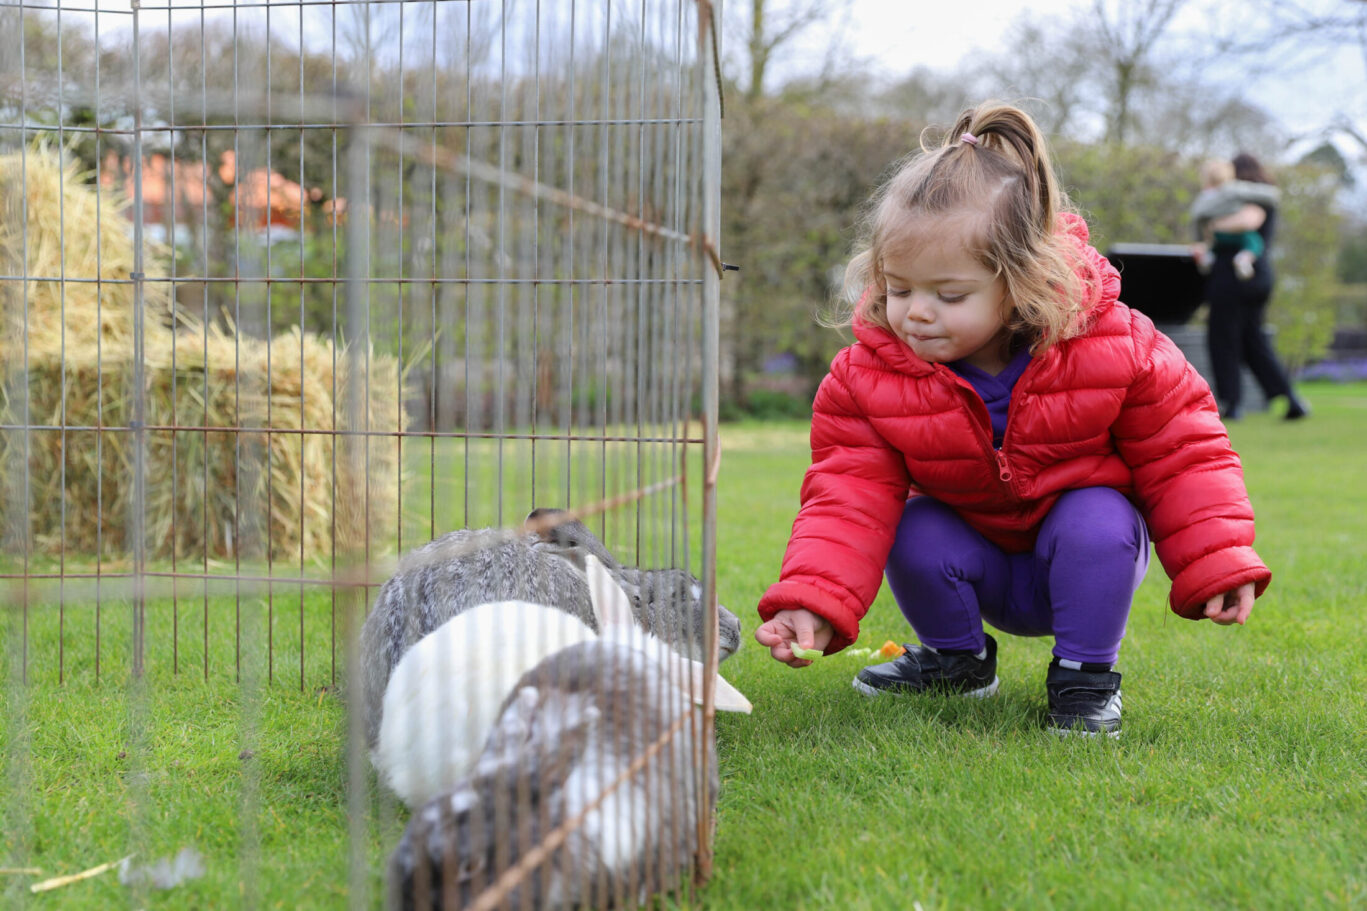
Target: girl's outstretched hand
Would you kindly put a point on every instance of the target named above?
(1231, 607)
(802, 626)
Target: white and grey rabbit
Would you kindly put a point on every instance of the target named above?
(469, 567)
(453, 573)
(597, 747)
(446, 692)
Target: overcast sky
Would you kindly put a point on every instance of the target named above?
(897, 35)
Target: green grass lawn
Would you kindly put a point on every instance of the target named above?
(1240, 781)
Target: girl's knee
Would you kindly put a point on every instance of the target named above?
(1096, 520)
(933, 541)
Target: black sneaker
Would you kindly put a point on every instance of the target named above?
(1083, 703)
(923, 670)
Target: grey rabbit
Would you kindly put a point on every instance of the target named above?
(469, 567)
(570, 729)
(655, 594)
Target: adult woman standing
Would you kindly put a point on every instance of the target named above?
(1235, 334)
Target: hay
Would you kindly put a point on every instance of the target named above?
(254, 487)
(39, 194)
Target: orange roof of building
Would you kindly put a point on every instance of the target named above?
(158, 179)
(260, 190)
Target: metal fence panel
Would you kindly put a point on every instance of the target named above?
(290, 290)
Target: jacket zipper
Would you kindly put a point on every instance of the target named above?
(1018, 395)
(975, 403)
(999, 461)
(1004, 471)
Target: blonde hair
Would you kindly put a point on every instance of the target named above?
(1217, 171)
(1003, 175)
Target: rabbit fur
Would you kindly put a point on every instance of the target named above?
(469, 567)
(448, 576)
(656, 594)
(570, 729)
(447, 690)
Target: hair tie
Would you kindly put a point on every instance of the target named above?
(969, 138)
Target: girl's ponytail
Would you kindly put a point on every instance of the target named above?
(994, 162)
(1011, 132)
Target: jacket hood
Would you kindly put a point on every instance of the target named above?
(1099, 279)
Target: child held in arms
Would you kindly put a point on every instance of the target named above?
(1222, 195)
(1002, 441)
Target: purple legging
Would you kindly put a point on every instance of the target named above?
(1077, 585)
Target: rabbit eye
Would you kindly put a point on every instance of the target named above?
(470, 866)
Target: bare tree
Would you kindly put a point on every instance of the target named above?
(1201, 120)
(1050, 72)
(1126, 33)
(927, 96)
(1291, 29)
(1286, 36)
(771, 30)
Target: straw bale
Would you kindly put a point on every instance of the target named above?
(54, 224)
(311, 481)
(253, 487)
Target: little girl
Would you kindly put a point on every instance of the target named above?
(1002, 440)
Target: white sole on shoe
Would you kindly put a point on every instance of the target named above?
(1083, 732)
(980, 693)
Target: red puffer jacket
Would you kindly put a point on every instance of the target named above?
(1117, 406)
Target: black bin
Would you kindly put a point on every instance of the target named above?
(1159, 280)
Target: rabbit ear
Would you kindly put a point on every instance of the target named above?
(613, 608)
(611, 605)
(725, 696)
(511, 732)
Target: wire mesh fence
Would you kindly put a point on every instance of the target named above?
(289, 291)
